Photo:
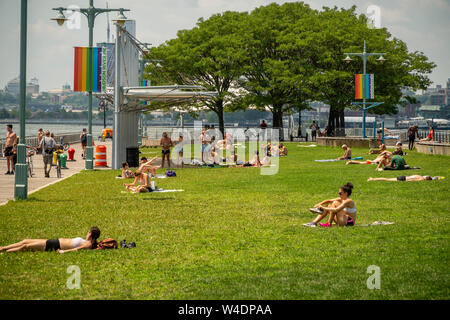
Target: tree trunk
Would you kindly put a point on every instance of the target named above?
(341, 130)
(219, 112)
(277, 121)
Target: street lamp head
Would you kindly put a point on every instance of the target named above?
(348, 59)
(60, 18)
(121, 19)
(381, 59)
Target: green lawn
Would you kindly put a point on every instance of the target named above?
(236, 234)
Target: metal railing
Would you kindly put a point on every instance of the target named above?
(33, 141)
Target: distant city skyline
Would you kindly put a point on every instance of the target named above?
(422, 24)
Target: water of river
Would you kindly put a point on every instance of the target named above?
(32, 128)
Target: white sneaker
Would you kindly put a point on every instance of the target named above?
(316, 210)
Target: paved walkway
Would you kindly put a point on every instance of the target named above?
(38, 181)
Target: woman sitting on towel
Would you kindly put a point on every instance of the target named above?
(404, 178)
(341, 211)
(61, 245)
(282, 150)
(144, 181)
(126, 172)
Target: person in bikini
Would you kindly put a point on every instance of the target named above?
(126, 172)
(341, 211)
(61, 245)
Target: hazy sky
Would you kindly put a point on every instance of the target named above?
(423, 24)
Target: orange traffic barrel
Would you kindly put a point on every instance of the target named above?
(100, 156)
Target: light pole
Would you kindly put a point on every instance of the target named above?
(21, 179)
(91, 13)
(364, 55)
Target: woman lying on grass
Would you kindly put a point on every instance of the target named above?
(342, 210)
(404, 178)
(144, 181)
(61, 245)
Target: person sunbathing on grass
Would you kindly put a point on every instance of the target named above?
(282, 150)
(147, 166)
(405, 178)
(60, 245)
(341, 211)
(347, 153)
(256, 162)
(397, 163)
(382, 158)
(126, 172)
(144, 181)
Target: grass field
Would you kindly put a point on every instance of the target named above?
(236, 234)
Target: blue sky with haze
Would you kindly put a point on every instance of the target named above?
(423, 24)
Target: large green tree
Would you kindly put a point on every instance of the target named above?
(211, 55)
(337, 31)
(277, 70)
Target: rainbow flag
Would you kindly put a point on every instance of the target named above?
(82, 80)
(364, 86)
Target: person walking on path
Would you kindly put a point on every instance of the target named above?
(11, 138)
(47, 146)
(83, 138)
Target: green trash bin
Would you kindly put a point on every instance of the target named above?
(63, 159)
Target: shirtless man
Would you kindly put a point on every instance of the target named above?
(11, 138)
(347, 153)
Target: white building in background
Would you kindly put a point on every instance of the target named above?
(13, 86)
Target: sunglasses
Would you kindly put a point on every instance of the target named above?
(340, 193)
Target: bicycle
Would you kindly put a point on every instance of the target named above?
(65, 146)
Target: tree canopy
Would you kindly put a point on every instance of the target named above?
(281, 57)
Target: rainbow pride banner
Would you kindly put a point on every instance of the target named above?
(82, 80)
(364, 86)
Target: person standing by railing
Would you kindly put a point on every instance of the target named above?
(11, 138)
(83, 138)
(413, 131)
(40, 135)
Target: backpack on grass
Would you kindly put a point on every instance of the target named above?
(108, 243)
(171, 173)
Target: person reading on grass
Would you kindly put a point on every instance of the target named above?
(341, 211)
(126, 172)
(144, 181)
(147, 166)
(404, 178)
(60, 245)
(398, 149)
(382, 158)
(347, 153)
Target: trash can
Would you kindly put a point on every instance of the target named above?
(71, 153)
(133, 157)
(63, 159)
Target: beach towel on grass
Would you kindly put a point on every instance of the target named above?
(310, 146)
(332, 160)
(375, 223)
